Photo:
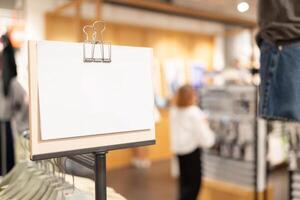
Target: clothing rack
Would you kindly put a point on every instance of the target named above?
(294, 167)
(95, 162)
(294, 181)
(212, 97)
(3, 163)
(256, 144)
(3, 148)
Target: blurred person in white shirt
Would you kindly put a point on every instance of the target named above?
(190, 133)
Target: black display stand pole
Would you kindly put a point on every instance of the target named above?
(97, 162)
(100, 175)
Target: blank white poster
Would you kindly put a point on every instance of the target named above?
(82, 99)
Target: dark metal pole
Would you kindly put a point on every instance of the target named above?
(100, 176)
(256, 145)
(268, 170)
(3, 148)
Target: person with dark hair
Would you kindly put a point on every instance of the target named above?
(9, 66)
(190, 133)
(12, 101)
(279, 42)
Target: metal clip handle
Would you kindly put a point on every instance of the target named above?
(104, 55)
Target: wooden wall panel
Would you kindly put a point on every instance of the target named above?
(60, 28)
(119, 159)
(165, 43)
(162, 149)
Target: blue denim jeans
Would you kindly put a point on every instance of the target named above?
(280, 82)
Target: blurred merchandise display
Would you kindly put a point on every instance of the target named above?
(174, 70)
(197, 70)
(278, 144)
(293, 132)
(231, 112)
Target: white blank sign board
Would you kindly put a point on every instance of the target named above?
(71, 99)
(80, 99)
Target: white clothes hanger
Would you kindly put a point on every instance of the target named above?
(45, 186)
(33, 185)
(17, 186)
(13, 174)
(50, 190)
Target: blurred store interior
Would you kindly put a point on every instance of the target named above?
(209, 44)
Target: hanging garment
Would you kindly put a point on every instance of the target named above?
(10, 154)
(279, 89)
(12, 107)
(279, 42)
(278, 20)
(12, 103)
(9, 67)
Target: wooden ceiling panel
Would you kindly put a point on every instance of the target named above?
(215, 10)
(226, 7)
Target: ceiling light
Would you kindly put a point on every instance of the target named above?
(243, 7)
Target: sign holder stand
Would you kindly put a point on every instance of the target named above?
(100, 157)
(100, 175)
(92, 155)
